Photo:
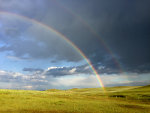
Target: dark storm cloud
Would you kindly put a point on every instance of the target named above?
(128, 34)
(25, 7)
(124, 26)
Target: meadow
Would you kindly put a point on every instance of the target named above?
(123, 99)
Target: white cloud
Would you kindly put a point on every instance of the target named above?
(72, 70)
(28, 87)
(49, 68)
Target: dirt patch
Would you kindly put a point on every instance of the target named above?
(131, 106)
(118, 96)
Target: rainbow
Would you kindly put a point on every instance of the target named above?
(61, 36)
(93, 32)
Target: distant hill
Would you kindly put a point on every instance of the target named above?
(53, 90)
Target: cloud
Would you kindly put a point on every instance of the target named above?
(124, 79)
(73, 70)
(41, 81)
(17, 58)
(123, 26)
(25, 7)
(6, 76)
(124, 29)
(19, 80)
(80, 81)
(115, 24)
(128, 79)
(33, 69)
(28, 87)
(30, 41)
(63, 71)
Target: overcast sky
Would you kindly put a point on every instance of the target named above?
(114, 36)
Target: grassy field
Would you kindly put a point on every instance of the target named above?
(125, 99)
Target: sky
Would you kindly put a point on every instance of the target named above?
(48, 44)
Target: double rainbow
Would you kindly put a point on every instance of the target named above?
(61, 36)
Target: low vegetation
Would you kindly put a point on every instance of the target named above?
(131, 99)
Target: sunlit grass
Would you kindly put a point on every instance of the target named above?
(88, 100)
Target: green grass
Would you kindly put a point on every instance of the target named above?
(125, 99)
